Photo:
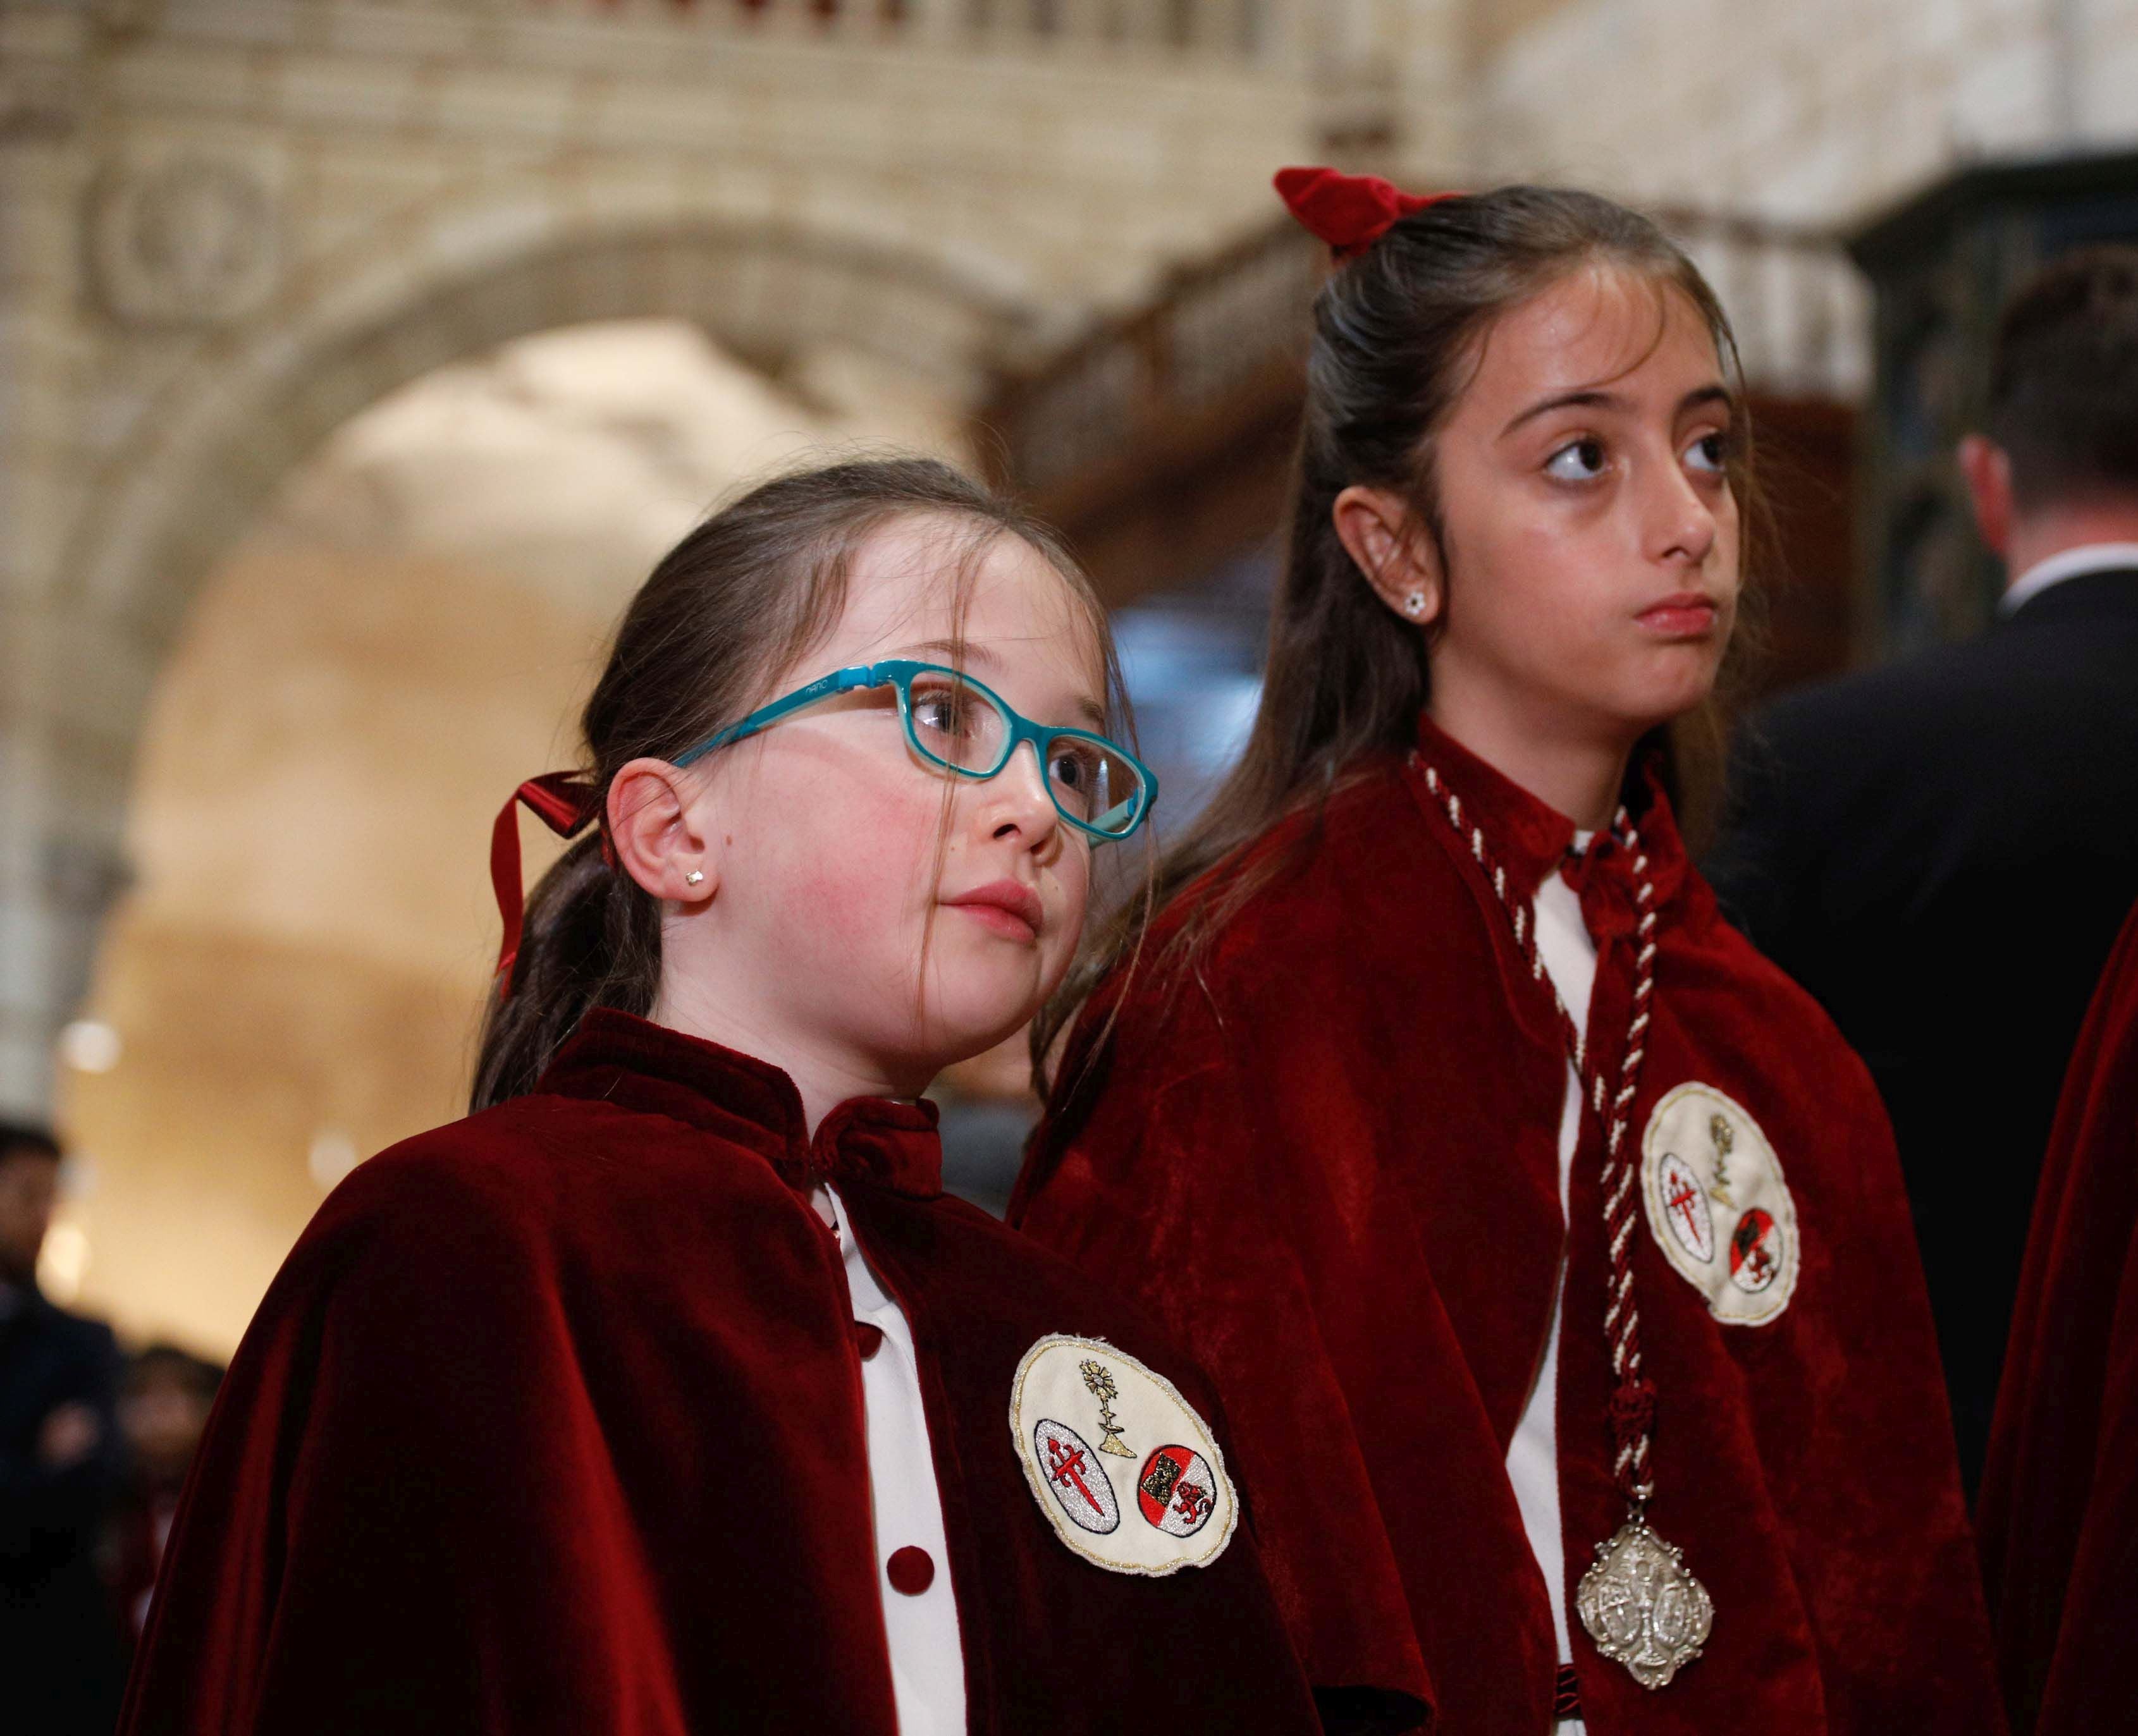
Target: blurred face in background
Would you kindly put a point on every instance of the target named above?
(29, 1189)
(163, 1414)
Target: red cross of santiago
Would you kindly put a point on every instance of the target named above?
(1067, 1467)
(1682, 1203)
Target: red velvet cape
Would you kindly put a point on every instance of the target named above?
(2059, 1504)
(1330, 1164)
(552, 1426)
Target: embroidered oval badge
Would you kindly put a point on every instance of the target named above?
(1101, 1436)
(1707, 1169)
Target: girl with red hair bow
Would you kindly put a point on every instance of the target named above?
(1549, 1244)
(667, 1392)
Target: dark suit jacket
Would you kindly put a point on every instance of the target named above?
(62, 1658)
(1941, 851)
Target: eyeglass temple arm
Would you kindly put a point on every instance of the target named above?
(840, 680)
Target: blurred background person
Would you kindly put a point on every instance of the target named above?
(163, 1405)
(1941, 849)
(60, 1664)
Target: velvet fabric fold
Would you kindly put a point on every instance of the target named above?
(1328, 1161)
(552, 1424)
(2059, 1504)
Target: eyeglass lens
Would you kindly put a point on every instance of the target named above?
(956, 724)
(960, 726)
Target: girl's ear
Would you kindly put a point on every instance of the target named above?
(1383, 534)
(652, 830)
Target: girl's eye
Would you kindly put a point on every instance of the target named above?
(1078, 771)
(1579, 460)
(1710, 454)
(943, 711)
(956, 724)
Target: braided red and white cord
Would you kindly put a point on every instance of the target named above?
(1632, 1400)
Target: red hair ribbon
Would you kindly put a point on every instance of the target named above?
(564, 803)
(1350, 212)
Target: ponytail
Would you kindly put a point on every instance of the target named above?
(591, 938)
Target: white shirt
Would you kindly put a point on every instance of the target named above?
(1569, 957)
(2067, 564)
(927, 1657)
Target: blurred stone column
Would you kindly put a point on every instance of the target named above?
(1389, 80)
(62, 785)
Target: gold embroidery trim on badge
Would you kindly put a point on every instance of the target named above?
(1718, 1206)
(1123, 1468)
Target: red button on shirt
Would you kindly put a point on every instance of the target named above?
(911, 1571)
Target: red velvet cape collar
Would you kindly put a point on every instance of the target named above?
(1529, 838)
(615, 1058)
(554, 1423)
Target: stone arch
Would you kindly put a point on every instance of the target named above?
(216, 441)
(233, 412)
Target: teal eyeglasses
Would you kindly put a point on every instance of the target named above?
(955, 722)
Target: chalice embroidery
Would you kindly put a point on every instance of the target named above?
(1719, 1131)
(1642, 1606)
(1100, 1385)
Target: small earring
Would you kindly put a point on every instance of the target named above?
(1414, 604)
(694, 877)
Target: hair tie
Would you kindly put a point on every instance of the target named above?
(1350, 212)
(567, 804)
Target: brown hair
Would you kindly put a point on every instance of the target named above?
(2064, 379)
(1395, 336)
(724, 614)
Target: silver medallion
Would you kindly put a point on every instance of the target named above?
(1642, 1606)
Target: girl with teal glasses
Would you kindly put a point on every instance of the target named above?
(667, 1391)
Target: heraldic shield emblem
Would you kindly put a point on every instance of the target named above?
(1121, 1465)
(1718, 1205)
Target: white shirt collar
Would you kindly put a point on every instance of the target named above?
(2067, 564)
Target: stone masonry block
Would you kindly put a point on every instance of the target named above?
(314, 90)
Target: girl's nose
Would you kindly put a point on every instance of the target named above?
(1015, 803)
(1680, 522)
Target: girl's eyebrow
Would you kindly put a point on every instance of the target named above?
(956, 652)
(1592, 398)
(961, 652)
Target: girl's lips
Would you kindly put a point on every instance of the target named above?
(1687, 615)
(1012, 910)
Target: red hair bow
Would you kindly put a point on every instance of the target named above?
(1350, 212)
(564, 803)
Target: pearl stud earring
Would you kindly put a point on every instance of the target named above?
(694, 877)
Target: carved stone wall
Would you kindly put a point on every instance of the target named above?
(1820, 111)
